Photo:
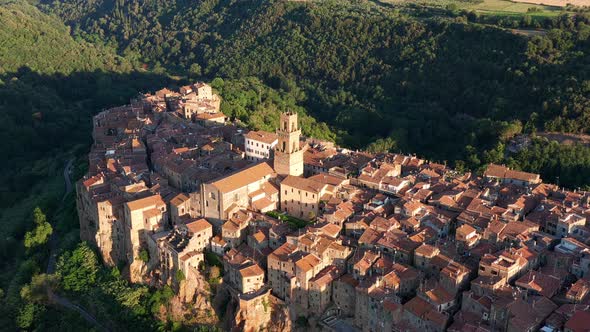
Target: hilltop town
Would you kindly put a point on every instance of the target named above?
(309, 233)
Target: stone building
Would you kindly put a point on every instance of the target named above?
(221, 198)
(300, 197)
(234, 231)
(101, 218)
(180, 206)
(260, 145)
(181, 248)
(320, 288)
(143, 217)
(250, 278)
(288, 158)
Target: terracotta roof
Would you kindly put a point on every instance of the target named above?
(243, 178)
(331, 230)
(541, 283)
(151, 213)
(146, 202)
(179, 199)
(303, 184)
(259, 236)
(495, 171)
(251, 271)
(326, 276)
(504, 172)
(426, 250)
(262, 136)
(283, 252)
(579, 322)
(465, 230)
(210, 116)
(439, 295)
(220, 241)
(198, 225)
(417, 306)
(308, 262)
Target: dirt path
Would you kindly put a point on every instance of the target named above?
(53, 242)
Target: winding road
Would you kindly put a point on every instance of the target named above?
(53, 241)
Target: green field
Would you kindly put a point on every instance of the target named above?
(489, 7)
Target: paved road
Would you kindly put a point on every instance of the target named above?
(67, 173)
(64, 302)
(53, 241)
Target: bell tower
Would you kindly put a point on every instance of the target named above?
(288, 155)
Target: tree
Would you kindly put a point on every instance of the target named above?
(28, 315)
(161, 297)
(38, 289)
(217, 84)
(195, 70)
(214, 272)
(78, 270)
(179, 275)
(144, 255)
(382, 145)
(42, 231)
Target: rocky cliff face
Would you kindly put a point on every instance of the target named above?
(137, 271)
(254, 314)
(191, 305)
(280, 317)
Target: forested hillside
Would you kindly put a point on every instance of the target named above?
(50, 85)
(448, 86)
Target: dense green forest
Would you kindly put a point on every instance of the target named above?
(439, 84)
(446, 84)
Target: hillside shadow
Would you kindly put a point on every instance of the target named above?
(44, 116)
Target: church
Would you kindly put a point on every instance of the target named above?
(276, 184)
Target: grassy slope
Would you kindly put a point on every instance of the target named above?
(488, 7)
